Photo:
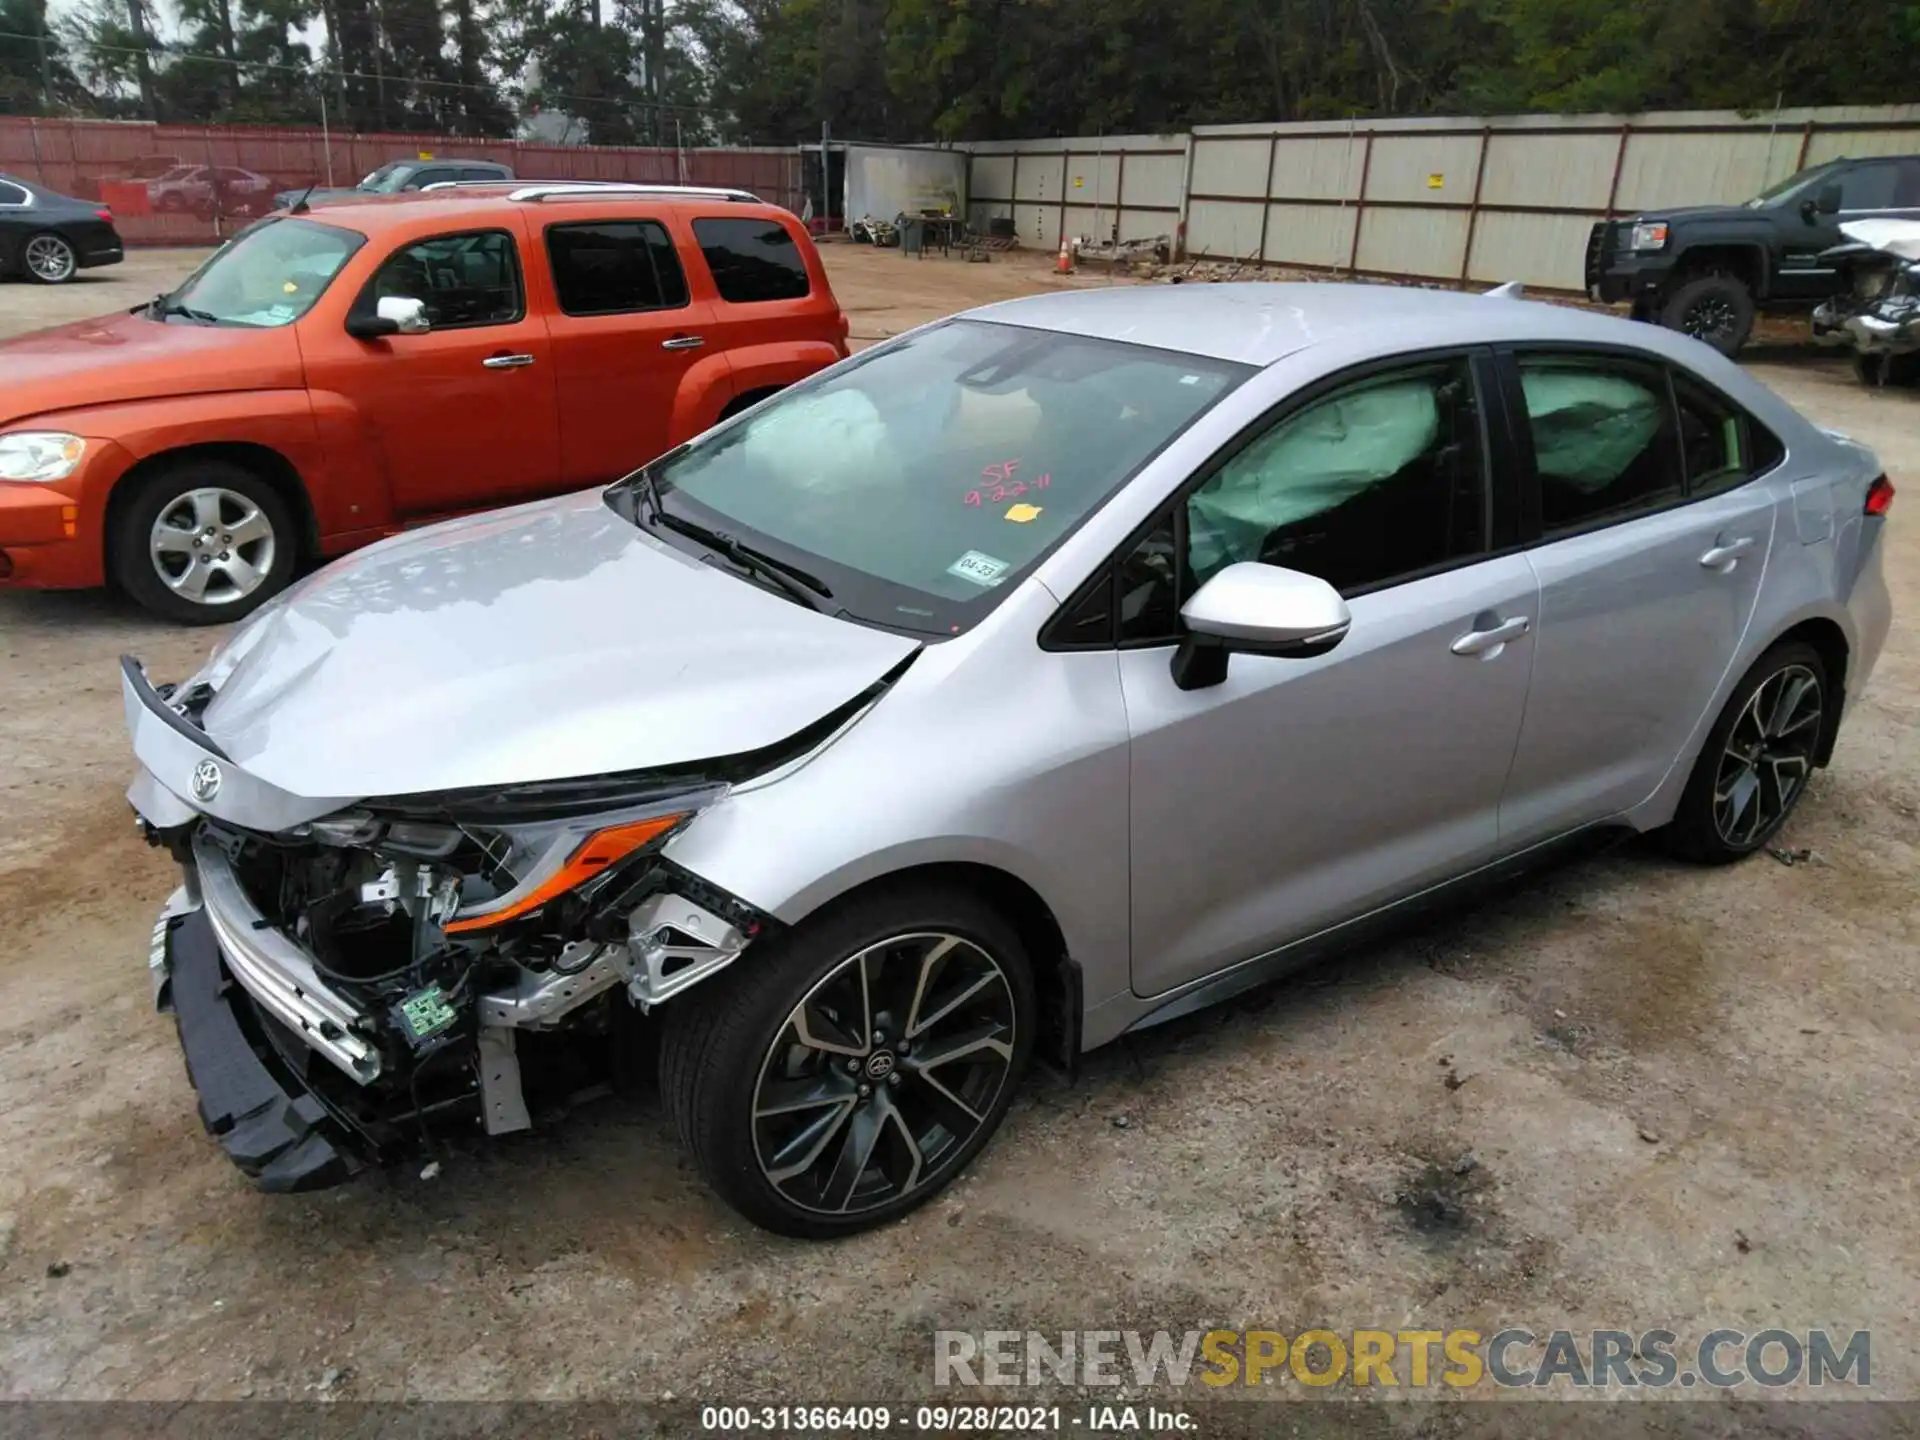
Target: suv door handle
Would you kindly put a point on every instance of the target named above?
(1477, 642)
(506, 362)
(1722, 557)
(684, 342)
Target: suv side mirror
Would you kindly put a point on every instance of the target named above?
(392, 315)
(1256, 609)
(1826, 200)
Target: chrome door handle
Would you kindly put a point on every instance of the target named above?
(1721, 556)
(1475, 642)
(684, 342)
(506, 362)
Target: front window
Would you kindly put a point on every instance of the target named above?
(268, 275)
(924, 479)
(1793, 188)
(388, 179)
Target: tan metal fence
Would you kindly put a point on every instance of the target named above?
(193, 184)
(1452, 200)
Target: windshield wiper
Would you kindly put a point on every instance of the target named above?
(162, 306)
(809, 590)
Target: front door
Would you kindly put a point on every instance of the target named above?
(1655, 538)
(625, 335)
(461, 417)
(1300, 793)
(1870, 189)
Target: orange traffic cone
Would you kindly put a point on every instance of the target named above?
(1064, 265)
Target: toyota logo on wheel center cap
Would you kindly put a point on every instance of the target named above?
(206, 780)
(880, 1066)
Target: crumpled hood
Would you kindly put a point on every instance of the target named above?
(544, 642)
(117, 358)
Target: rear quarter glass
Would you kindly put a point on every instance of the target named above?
(752, 259)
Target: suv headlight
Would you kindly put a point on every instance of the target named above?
(1648, 235)
(39, 455)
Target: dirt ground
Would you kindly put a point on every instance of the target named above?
(1630, 1095)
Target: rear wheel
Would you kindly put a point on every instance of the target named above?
(1715, 309)
(1757, 760)
(203, 541)
(48, 259)
(846, 1074)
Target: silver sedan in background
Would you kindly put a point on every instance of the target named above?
(1038, 676)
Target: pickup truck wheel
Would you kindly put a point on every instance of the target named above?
(204, 542)
(1715, 309)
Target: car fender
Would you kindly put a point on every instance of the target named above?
(703, 393)
(922, 778)
(359, 493)
(1741, 239)
(1659, 807)
(767, 367)
(276, 420)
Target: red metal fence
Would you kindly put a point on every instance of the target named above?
(192, 184)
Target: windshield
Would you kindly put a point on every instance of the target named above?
(268, 275)
(921, 480)
(1791, 187)
(387, 179)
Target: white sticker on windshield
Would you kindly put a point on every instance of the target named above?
(980, 569)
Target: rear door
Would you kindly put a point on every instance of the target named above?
(463, 416)
(626, 333)
(1653, 533)
(774, 313)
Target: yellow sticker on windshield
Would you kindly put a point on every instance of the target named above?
(1022, 513)
(291, 287)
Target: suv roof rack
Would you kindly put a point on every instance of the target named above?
(560, 189)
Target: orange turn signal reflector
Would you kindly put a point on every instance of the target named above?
(595, 854)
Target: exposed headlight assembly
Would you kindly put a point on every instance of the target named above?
(1648, 235)
(549, 859)
(40, 455)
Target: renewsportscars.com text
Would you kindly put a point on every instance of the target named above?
(1459, 1359)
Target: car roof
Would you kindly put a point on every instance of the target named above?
(1257, 323)
(376, 214)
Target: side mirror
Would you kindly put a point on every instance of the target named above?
(392, 315)
(1827, 200)
(1256, 609)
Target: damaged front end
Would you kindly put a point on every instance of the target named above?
(1877, 312)
(351, 983)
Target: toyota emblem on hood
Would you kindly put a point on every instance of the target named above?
(206, 780)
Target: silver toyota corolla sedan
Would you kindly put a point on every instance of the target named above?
(1035, 677)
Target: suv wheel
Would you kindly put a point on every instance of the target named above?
(204, 541)
(1716, 309)
(1757, 760)
(854, 1067)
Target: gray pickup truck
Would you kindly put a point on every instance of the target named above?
(398, 175)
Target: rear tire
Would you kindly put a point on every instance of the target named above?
(49, 259)
(203, 542)
(817, 1105)
(1757, 759)
(1715, 309)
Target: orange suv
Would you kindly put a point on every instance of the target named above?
(326, 379)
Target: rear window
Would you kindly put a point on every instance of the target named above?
(615, 267)
(752, 260)
(12, 194)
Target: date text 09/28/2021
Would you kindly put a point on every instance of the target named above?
(944, 1419)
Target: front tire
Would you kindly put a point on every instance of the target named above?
(844, 1074)
(1757, 760)
(203, 542)
(1714, 309)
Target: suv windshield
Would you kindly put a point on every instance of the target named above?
(922, 479)
(266, 276)
(1786, 189)
(387, 179)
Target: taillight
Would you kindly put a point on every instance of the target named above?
(105, 214)
(1880, 496)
